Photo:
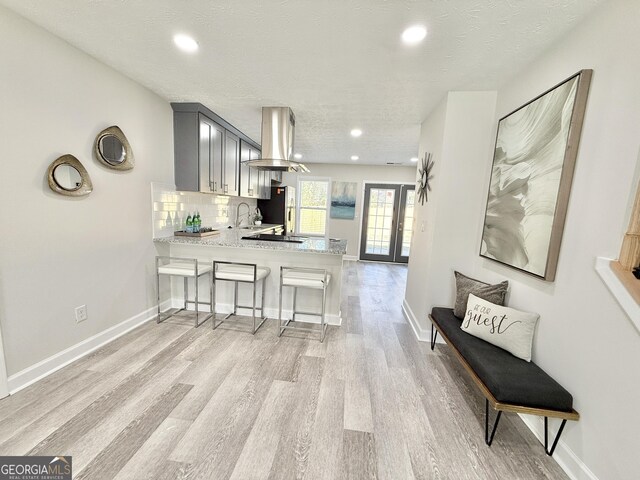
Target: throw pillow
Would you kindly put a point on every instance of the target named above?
(465, 285)
(504, 327)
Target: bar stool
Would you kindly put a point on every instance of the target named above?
(186, 268)
(314, 278)
(240, 273)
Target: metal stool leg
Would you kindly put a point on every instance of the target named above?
(211, 294)
(195, 281)
(280, 307)
(253, 310)
(295, 301)
(186, 292)
(213, 302)
(158, 287)
(235, 299)
(234, 312)
(322, 319)
(262, 314)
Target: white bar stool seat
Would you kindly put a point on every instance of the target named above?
(240, 273)
(185, 268)
(314, 278)
(305, 279)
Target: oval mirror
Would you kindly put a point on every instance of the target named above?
(113, 150)
(67, 177)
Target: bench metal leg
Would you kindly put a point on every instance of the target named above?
(434, 336)
(546, 435)
(489, 438)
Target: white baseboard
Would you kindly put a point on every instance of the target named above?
(32, 374)
(421, 334)
(352, 258)
(563, 455)
(269, 312)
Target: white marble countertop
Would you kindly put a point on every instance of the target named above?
(233, 238)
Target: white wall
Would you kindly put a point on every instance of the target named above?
(459, 136)
(57, 252)
(584, 339)
(350, 229)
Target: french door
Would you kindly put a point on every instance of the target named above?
(387, 222)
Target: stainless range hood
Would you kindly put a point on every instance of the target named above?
(278, 127)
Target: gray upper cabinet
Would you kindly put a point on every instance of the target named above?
(231, 165)
(208, 151)
(211, 156)
(249, 186)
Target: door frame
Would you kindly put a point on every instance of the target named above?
(364, 186)
(390, 257)
(398, 257)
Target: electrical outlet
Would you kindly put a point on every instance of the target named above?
(81, 313)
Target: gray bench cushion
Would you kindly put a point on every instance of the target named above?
(509, 379)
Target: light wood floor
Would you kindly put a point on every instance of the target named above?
(173, 402)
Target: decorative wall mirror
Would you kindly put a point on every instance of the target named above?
(113, 150)
(67, 176)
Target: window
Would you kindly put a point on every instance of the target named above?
(312, 206)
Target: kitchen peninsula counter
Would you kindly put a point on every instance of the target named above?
(313, 252)
(232, 238)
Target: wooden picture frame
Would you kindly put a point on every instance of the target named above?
(533, 164)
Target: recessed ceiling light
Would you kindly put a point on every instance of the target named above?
(356, 132)
(414, 35)
(297, 156)
(414, 159)
(185, 43)
(355, 157)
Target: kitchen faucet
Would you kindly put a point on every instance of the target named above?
(238, 213)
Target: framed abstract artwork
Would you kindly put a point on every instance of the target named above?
(533, 164)
(343, 200)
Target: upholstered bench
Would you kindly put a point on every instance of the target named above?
(508, 383)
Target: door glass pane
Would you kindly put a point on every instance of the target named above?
(380, 221)
(407, 222)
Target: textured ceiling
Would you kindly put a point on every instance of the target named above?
(338, 64)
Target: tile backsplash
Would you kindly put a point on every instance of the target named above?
(171, 208)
